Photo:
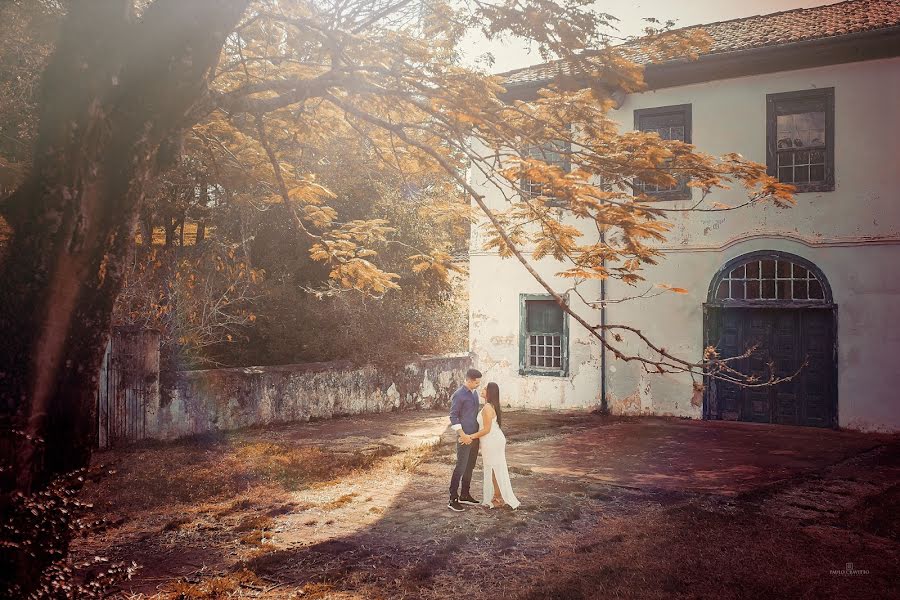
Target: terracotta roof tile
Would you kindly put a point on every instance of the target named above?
(775, 29)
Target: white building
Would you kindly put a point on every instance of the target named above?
(817, 282)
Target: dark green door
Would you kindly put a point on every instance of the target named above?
(788, 341)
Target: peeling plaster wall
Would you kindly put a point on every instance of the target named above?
(494, 334)
(193, 402)
(851, 233)
(868, 299)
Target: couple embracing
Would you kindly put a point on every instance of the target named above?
(479, 427)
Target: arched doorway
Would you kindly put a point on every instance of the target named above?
(781, 303)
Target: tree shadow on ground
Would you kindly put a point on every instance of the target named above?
(384, 531)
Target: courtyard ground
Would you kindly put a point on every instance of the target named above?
(611, 508)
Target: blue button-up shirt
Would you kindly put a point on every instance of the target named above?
(464, 410)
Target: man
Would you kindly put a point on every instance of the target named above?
(464, 405)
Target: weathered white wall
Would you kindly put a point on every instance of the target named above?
(868, 299)
(851, 233)
(494, 327)
(494, 288)
(193, 402)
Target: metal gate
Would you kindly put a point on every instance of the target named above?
(129, 383)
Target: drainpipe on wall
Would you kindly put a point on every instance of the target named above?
(604, 406)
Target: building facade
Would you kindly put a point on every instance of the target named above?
(814, 94)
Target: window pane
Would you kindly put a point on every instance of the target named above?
(801, 174)
(786, 174)
(753, 269)
(815, 290)
(550, 152)
(669, 125)
(752, 290)
(670, 121)
(802, 129)
(785, 159)
(722, 292)
(783, 290)
(544, 350)
(769, 279)
(543, 316)
(784, 268)
(817, 173)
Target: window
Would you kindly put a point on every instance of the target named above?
(800, 139)
(543, 337)
(552, 153)
(771, 278)
(671, 123)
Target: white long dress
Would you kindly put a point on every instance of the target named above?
(493, 458)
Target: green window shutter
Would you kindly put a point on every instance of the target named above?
(542, 323)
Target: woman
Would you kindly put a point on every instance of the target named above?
(493, 452)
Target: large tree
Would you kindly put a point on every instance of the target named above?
(128, 79)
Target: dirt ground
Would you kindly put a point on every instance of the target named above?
(611, 508)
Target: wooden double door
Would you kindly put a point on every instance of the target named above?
(788, 341)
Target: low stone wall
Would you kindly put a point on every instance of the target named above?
(192, 402)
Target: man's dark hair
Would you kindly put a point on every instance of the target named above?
(473, 374)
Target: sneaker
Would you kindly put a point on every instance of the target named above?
(469, 500)
(455, 505)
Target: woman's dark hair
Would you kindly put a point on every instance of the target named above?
(492, 397)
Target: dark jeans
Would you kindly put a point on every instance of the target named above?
(466, 455)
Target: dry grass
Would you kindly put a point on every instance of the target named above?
(411, 459)
(176, 523)
(675, 550)
(255, 522)
(216, 588)
(342, 501)
(164, 476)
(570, 540)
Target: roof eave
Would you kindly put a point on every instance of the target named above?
(854, 47)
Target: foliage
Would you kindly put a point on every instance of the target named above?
(27, 30)
(380, 82)
(420, 112)
(40, 524)
(163, 110)
(196, 297)
(278, 295)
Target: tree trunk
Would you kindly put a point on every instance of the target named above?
(113, 92)
(201, 233)
(171, 227)
(145, 228)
